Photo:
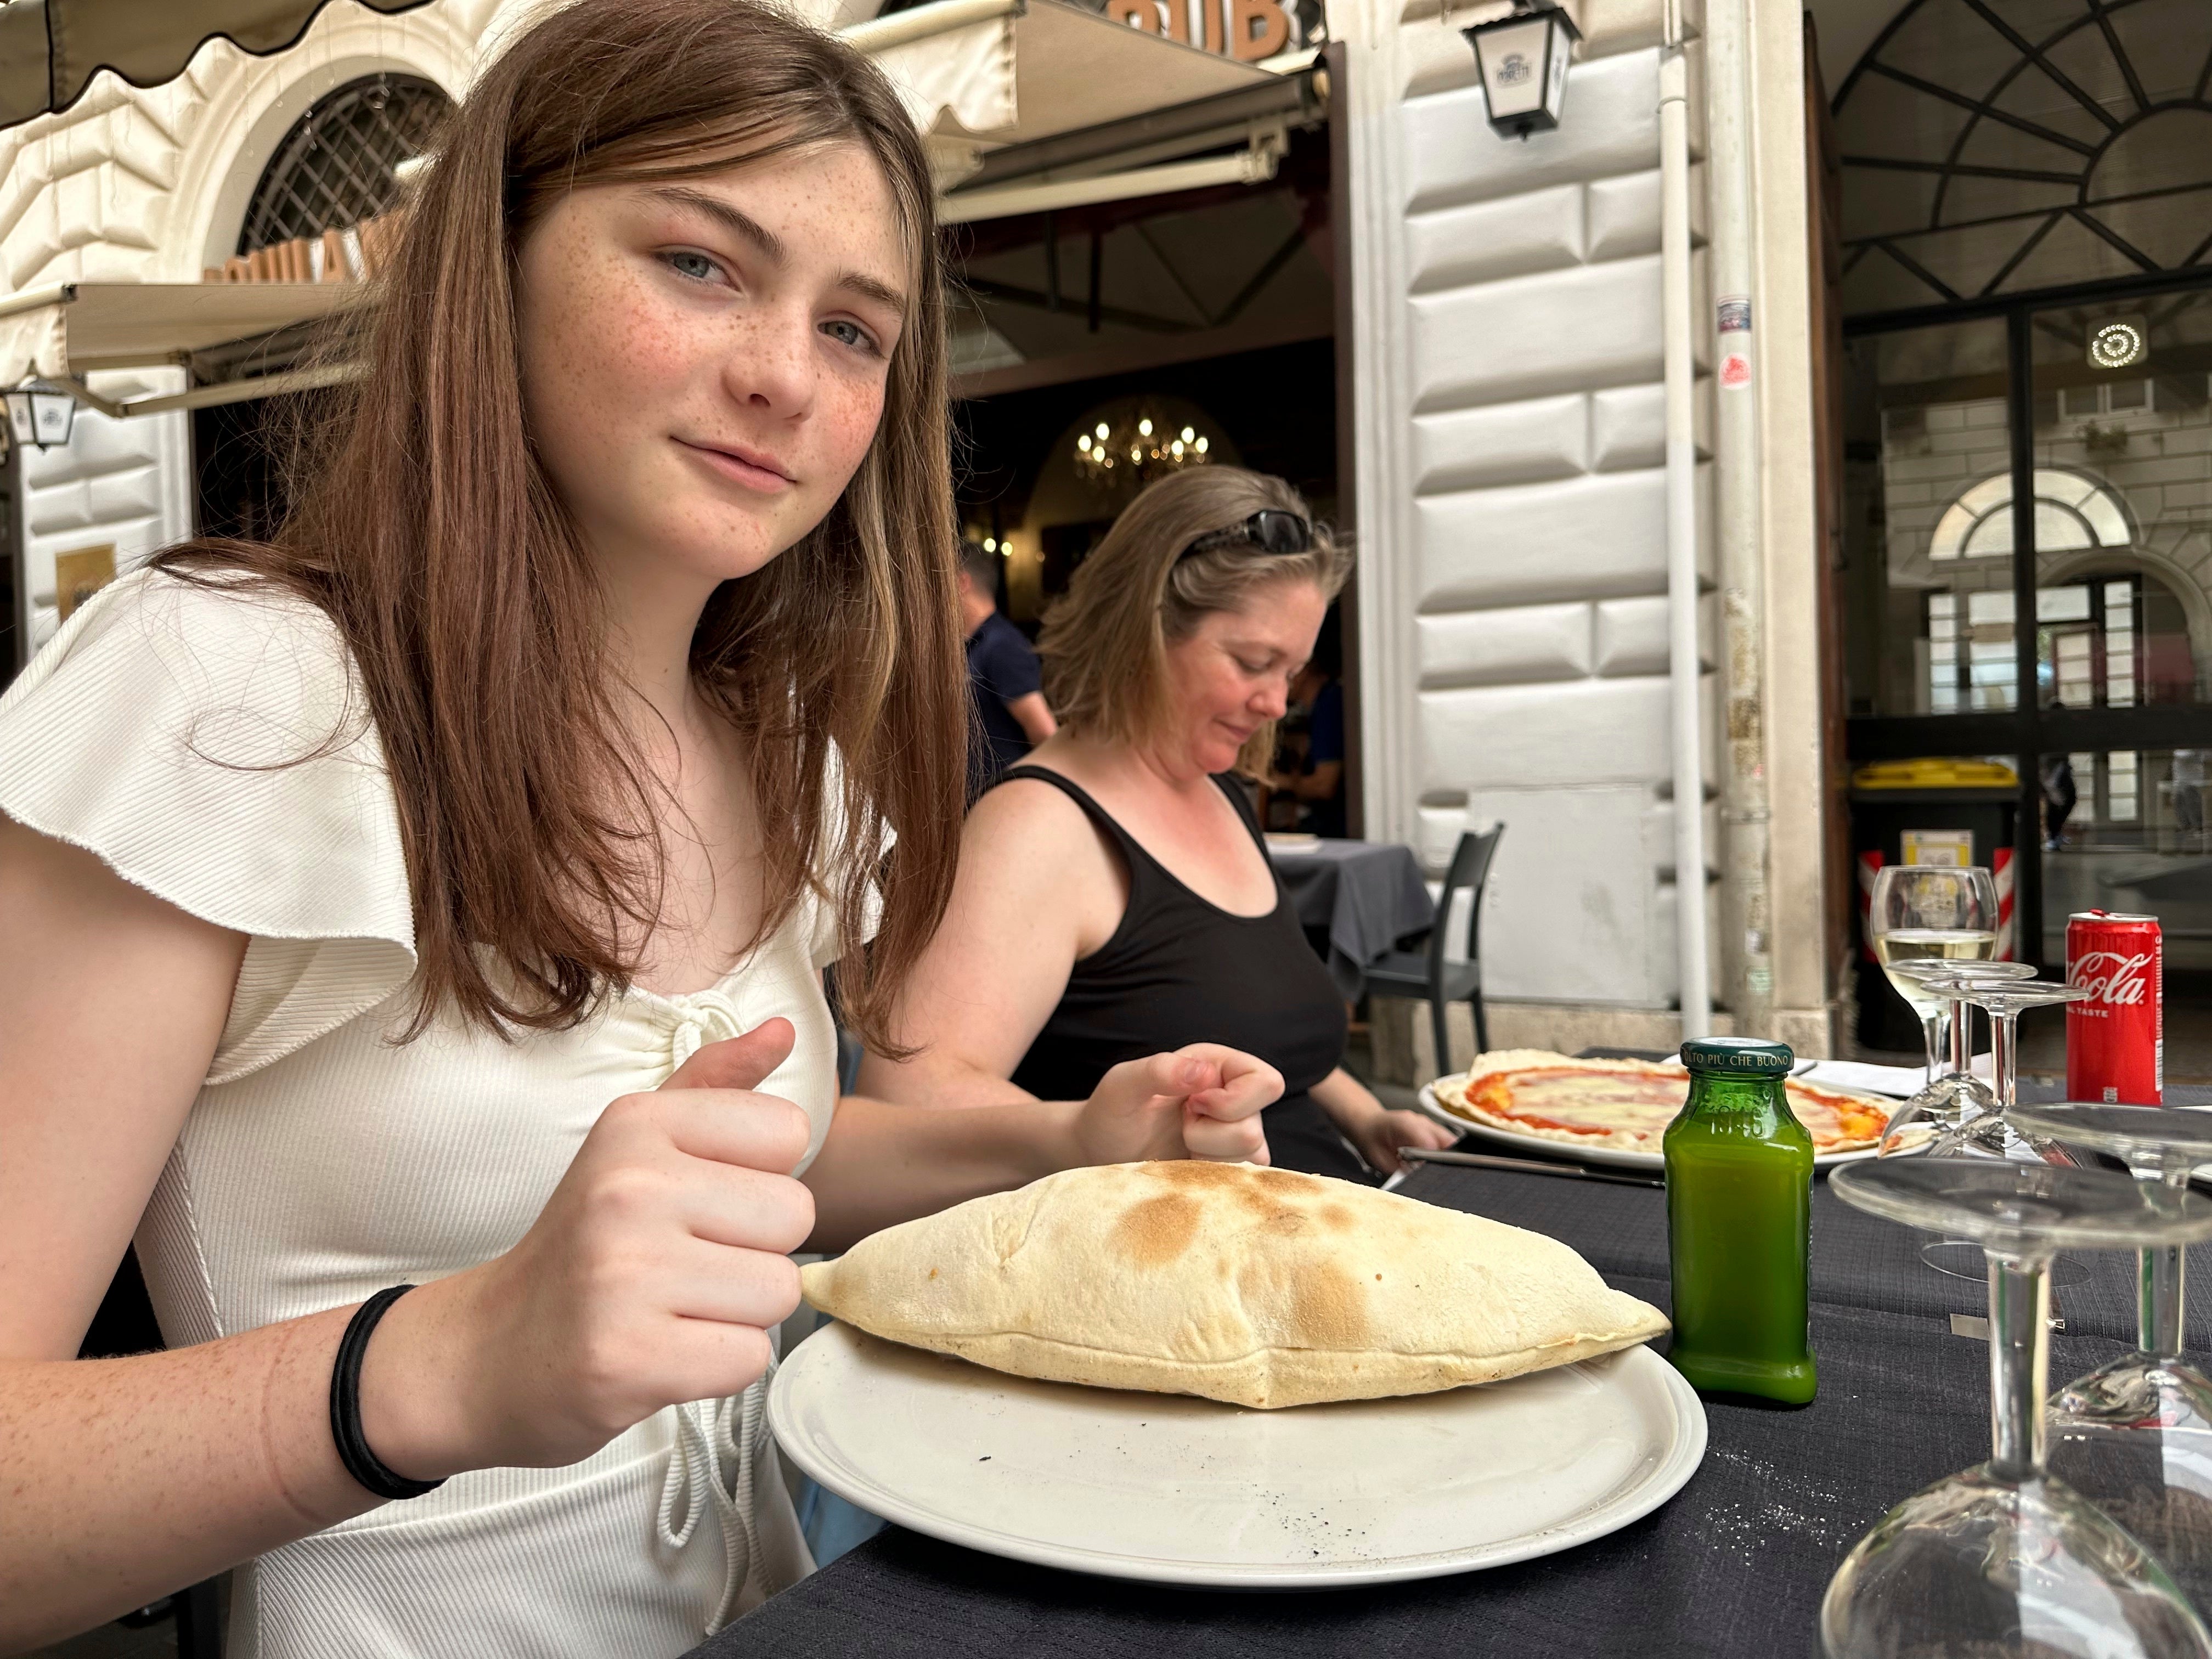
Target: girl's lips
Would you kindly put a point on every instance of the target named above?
(757, 472)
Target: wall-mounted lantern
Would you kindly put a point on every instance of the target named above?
(1523, 59)
(40, 413)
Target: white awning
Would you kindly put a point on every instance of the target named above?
(1008, 71)
(978, 76)
(73, 329)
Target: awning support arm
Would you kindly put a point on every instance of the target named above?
(223, 392)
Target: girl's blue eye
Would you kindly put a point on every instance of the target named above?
(697, 266)
(849, 333)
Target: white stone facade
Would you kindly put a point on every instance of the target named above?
(131, 185)
(1511, 494)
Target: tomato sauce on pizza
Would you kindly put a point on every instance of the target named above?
(1627, 1104)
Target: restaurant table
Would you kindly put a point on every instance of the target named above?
(1736, 1564)
(1366, 895)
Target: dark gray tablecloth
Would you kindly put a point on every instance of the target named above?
(1368, 893)
(1735, 1564)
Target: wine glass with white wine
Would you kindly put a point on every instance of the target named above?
(1926, 912)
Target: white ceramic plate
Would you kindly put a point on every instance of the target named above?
(1181, 1491)
(1545, 1147)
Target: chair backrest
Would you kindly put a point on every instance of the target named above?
(1469, 868)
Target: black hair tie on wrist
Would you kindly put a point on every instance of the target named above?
(362, 1464)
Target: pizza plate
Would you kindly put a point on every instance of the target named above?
(1174, 1490)
(1612, 1157)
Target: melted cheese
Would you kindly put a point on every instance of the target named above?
(1631, 1108)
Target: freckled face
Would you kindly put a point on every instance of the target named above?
(703, 360)
(1233, 674)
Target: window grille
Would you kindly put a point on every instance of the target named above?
(335, 168)
(1998, 149)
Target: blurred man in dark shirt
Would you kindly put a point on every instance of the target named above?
(1003, 676)
(1309, 768)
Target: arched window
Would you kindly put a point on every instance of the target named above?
(2072, 513)
(337, 166)
(1998, 149)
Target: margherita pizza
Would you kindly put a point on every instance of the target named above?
(1626, 1104)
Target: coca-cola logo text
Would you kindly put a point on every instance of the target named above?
(2115, 980)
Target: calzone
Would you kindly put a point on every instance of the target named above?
(1260, 1287)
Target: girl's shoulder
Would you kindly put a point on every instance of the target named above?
(206, 739)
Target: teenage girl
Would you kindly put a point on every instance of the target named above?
(438, 894)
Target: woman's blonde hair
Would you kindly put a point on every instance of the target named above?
(1105, 644)
(426, 525)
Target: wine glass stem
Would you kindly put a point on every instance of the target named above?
(1961, 1023)
(1932, 1038)
(2160, 1306)
(2004, 1025)
(2020, 1363)
(2159, 1314)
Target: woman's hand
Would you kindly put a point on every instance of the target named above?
(1377, 1137)
(1202, 1101)
(1376, 1132)
(651, 1278)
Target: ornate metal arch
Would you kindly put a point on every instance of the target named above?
(2069, 82)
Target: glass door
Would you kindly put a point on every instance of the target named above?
(2120, 401)
(2028, 583)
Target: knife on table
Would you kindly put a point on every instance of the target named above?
(1527, 1166)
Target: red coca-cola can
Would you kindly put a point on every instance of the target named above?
(2116, 1037)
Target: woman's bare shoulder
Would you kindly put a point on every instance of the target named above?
(1025, 810)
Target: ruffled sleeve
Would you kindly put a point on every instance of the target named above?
(212, 744)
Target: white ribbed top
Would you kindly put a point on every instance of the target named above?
(322, 1162)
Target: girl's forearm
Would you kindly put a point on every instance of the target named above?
(883, 1165)
(121, 1481)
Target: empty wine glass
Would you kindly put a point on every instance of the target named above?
(2004, 1001)
(1958, 1095)
(1929, 912)
(1982, 1132)
(2136, 1434)
(2005, 1558)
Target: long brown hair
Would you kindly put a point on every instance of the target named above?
(427, 528)
(1104, 644)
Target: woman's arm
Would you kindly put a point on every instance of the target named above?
(881, 1165)
(1035, 891)
(648, 1279)
(1373, 1128)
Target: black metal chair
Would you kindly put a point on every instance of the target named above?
(124, 1325)
(1425, 972)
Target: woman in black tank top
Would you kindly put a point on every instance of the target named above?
(1073, 944)
(1180, 970)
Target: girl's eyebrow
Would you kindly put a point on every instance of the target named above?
(740, 224)
(771, 246)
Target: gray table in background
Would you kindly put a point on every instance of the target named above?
(1367, 894)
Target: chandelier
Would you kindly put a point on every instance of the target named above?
(1130, 453)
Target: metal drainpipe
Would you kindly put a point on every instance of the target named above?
(1684, 658)
(1746, 909)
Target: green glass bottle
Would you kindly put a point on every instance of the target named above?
(1739, 1224)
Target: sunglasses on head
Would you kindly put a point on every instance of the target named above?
(1272, 530)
